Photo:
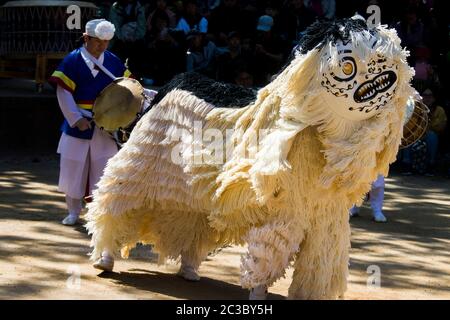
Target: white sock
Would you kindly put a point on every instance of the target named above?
(107, 255)
(74, 206)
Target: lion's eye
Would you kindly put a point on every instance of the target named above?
(347, 68)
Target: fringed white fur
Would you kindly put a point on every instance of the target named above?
(270, 250)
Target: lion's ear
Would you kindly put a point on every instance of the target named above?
(250, 178)
(254, 181)
(264, 133)
(271, 159)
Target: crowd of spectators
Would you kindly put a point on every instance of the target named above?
(246, 42)
(237, 41)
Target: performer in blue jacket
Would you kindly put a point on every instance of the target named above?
(84, 149)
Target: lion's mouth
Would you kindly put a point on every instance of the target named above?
(369, 89)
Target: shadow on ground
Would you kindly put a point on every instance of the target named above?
(174, 286)
(413, 248)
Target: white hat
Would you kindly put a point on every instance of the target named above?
(265, 23)
(100, 28)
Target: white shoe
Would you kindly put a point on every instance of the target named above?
(70, 220)
(379, 217)
(188, 273)
(105, 263)
(258, 293)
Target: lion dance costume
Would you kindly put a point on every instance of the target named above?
(333, 121)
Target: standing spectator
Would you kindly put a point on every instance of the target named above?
(128, 17)
(191, 20)
(438, 122)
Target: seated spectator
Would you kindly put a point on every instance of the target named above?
(164, 54)
(425, 75)
(421, 156)
(231, 59)
(224, 19)
(161, 6)
(422, 67)
(104, 6)
(411, 31)
(128, 17)
(268, 52)
(347, 8)
(322, 8)
(295, 19)
(178, 8)
(243, 78)
(201, 54)
(206, 6)
(273, 8)
(249, 18)
(191, 20)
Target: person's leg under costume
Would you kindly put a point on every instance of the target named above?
(376, 196)
(106, 262)
(377, 199)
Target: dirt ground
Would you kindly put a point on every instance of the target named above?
(42, 259)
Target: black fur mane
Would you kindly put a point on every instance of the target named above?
(220, 95)
(323, 32)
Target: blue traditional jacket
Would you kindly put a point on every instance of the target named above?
(75, 76)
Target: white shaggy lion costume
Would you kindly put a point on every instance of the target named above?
(333, 121)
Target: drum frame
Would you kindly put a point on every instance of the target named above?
(423, 126)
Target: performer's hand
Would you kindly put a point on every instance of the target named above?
(83, 124)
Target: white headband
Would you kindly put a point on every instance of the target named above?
(100, 28)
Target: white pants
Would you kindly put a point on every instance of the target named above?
(376, 196)
(78, 179)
